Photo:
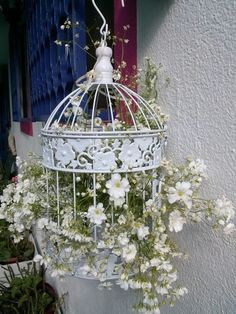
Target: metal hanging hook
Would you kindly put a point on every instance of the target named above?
(104, 25)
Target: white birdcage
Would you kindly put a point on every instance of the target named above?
(100, 128)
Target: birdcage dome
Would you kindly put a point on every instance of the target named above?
(102, 126)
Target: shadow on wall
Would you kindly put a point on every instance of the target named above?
(151, 13)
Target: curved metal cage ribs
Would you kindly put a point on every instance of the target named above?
(80, 110)
(103, 128)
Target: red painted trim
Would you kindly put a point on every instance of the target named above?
(26, 126)
(126, 16)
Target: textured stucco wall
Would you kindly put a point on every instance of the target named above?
(196, 42)
(26, 144)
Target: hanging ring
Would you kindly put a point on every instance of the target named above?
(104, 36)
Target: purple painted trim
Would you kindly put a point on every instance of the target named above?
(126, 16)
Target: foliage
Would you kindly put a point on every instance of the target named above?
(24, 250)
(26, 293)
(3, 178)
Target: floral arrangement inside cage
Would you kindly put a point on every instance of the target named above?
(103, 194)
(100, 141)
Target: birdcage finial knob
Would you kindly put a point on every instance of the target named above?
(103, 68)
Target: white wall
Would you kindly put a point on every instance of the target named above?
(26, 144)
(196, 42)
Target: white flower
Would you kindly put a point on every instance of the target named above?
(151, 206)
(18, 162)
(142, 232)
(96, 214)
(150, 301)
(42, 222)
(117, 187)
(17, 239)
(97, 121)
(230, 228)
(172, 277)
(118, 124)
(161, 290)
(166, 266)
(129, 253)
(121, 220)
(224, 209)
(78, 111)
(135, 284)
(123, 285)
(29, 198)
(67, 113)
(118, 202)
(176, 221)
(19, 227)
(26, 183)
(123, 239)
(198, 168)
(101, 244)
(155, 262)
(116, 75)
(55, 125)
(144, 267)
(181, 292)
(42, 261)
(181, 192)
(196, 217)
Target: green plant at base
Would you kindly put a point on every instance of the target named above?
(3, 178)
(22, 251)
(27, 293)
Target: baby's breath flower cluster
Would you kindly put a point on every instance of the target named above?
(139, 232)
(70, 35)
(130, 222)
(20, 204)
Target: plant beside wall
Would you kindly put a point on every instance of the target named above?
(10, 251)
(26, 292)
(3, 180)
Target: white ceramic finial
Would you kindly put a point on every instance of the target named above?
(103, 68)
